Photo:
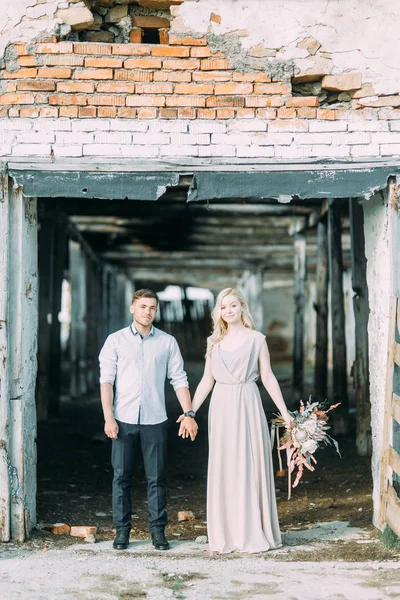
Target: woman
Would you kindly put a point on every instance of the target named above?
(241, 505)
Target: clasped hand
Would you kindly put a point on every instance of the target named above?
(188, 427)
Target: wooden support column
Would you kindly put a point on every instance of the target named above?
(361, 314)
(77, 262)
(339, 355)
(321, 308)
(300, 274)
(251, 284)
(5, 351)
(46, 254)
(92, 319)
(21, 319)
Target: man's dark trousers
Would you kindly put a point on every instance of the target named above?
(152, 439)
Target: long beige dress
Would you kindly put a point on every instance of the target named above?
(241, 504)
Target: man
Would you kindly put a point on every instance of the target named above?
(137, 359)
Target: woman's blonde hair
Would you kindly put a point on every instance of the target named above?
(220, 326)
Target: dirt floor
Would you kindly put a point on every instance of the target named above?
(74, 486)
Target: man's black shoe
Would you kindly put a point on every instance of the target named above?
(121, 541)
(159, 540)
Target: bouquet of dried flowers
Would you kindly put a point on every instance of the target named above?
(307, 432)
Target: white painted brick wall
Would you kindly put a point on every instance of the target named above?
(120, 138)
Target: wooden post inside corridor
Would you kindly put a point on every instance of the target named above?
(361, 314)
(339, 354)
(300, 274)
(321, 308)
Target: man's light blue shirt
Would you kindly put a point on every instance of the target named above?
(138, 368)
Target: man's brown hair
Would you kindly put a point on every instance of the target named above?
(144, 293)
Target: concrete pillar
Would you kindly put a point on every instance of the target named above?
(18, 364)
(251, 285)
(321, 308)
(382, 250)
(300, 274)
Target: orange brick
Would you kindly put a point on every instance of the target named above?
(17, 99)
(154, 88)
(147, 113)
(163, 34)
(75, 87)
(215, 64)
(106, 100)
(211, 76)
(168, 113)
(20, 74)
(263, 101)
(107, 112)
(29, 111)
(13, 112)
(55, 48)
(131, 49)
(245, 113)
(127, 113)
(69, 111)
(251, 77)
(326, 113)
(302, 101)
(36, 86)
(225, 113)
(63, 60)
(101, 63)
(21, 49)
(87, 112)
(55, 72)
(122, 75)
(266, 113)
(67, 100)
(225, 101)
(175, 76)
(179, 52)
(186, 101)
(27, 61)
(136, 35)
(91, 48)
(115, 88)
(206, 113)
(60, 529)
(49, 112)
(215, 18)
(272, 88)
(200, 52)
(182, 88)
(231, 89)
(306, 113)
(187, 113)
(286, 113)
(181, 64)
(83, 531)
(144, 100)
(94, 74)
(142, 63)
(3, 112)
(175, 40)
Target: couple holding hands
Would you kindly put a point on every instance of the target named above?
(241, 504)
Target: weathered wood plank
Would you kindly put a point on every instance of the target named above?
(23, 321)
(339, 354)
(361, 315)
(394, 461)
(321, 308)
(395, 408)
(393, 510)
(300, 274)
(396, 353)
(5, 492)
(387, 416)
